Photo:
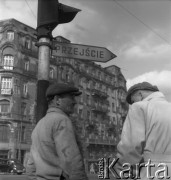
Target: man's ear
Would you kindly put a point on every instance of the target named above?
(141, 94)
(57, 100)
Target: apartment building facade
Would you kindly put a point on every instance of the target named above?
(101, 108)
(18, 72)
(100, 111)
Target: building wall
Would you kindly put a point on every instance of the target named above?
(18, 69)
(100, 111)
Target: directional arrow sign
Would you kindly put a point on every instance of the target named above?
(78, 51)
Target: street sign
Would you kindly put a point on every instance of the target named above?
(79, 51)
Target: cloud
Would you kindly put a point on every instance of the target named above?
(161, 79)
(142, 51)
(146, 47)
(20, 11)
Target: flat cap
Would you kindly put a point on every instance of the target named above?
(62, 89)
(140, 86)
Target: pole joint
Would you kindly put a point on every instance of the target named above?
(38, 44)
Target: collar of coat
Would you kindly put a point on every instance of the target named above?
(55, 109)
(155, 95)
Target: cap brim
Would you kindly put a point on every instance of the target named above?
(128, 99)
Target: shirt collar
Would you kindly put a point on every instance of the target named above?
(55, 109)
(154, 96)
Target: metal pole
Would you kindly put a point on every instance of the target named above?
(44, 45)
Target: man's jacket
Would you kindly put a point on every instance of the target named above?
(146, 135)
(54, 150)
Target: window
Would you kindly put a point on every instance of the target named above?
(6, 83)
(23, 108)
(97, 86)
(51, 73)
(67, 60)
(89, 84)
(16, 89)
(10, 35)
(105, 77)
(80, 113)
(16, 86)
(23, 133)
(72, 77)
(115, 120)
(104, 89)
(27, 43)
(115, 93)
(109, 91)
(4, 153)
(93, 72)
(95, 115)
(4, 137)
(67, 77)
(88, 115)
(93, 84)
(100, 87)
(86, 69)
(88, 99)
(99, 75)
(63, 74)
(25, 89)
(113, 107)
(81, 99)
(111, 82)
(26, 65)
(8, 62)
(4, 106)
(81, 82)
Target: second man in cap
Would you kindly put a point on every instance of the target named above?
(55, 153)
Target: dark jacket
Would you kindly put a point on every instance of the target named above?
(54, 149)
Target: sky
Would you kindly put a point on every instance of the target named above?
(138, 32)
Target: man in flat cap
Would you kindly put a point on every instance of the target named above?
(146, 134)
(55, 154)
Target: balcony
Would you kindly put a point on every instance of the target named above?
(99, 109)
(101, 153)
(7, 91)
(18, 70)
(98, 93)
(29, 52)
(30, 73)
(25, 141)
(101, 141)
(6, 67)
(5, 114)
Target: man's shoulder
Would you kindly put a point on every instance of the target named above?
(139, 104)
(56, 117)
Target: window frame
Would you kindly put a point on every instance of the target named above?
(51, 73)
(25, 88)
(5, 106)
(8, 81)
(10, 35)
(27, 43)
(8, 62)
(26, 65)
